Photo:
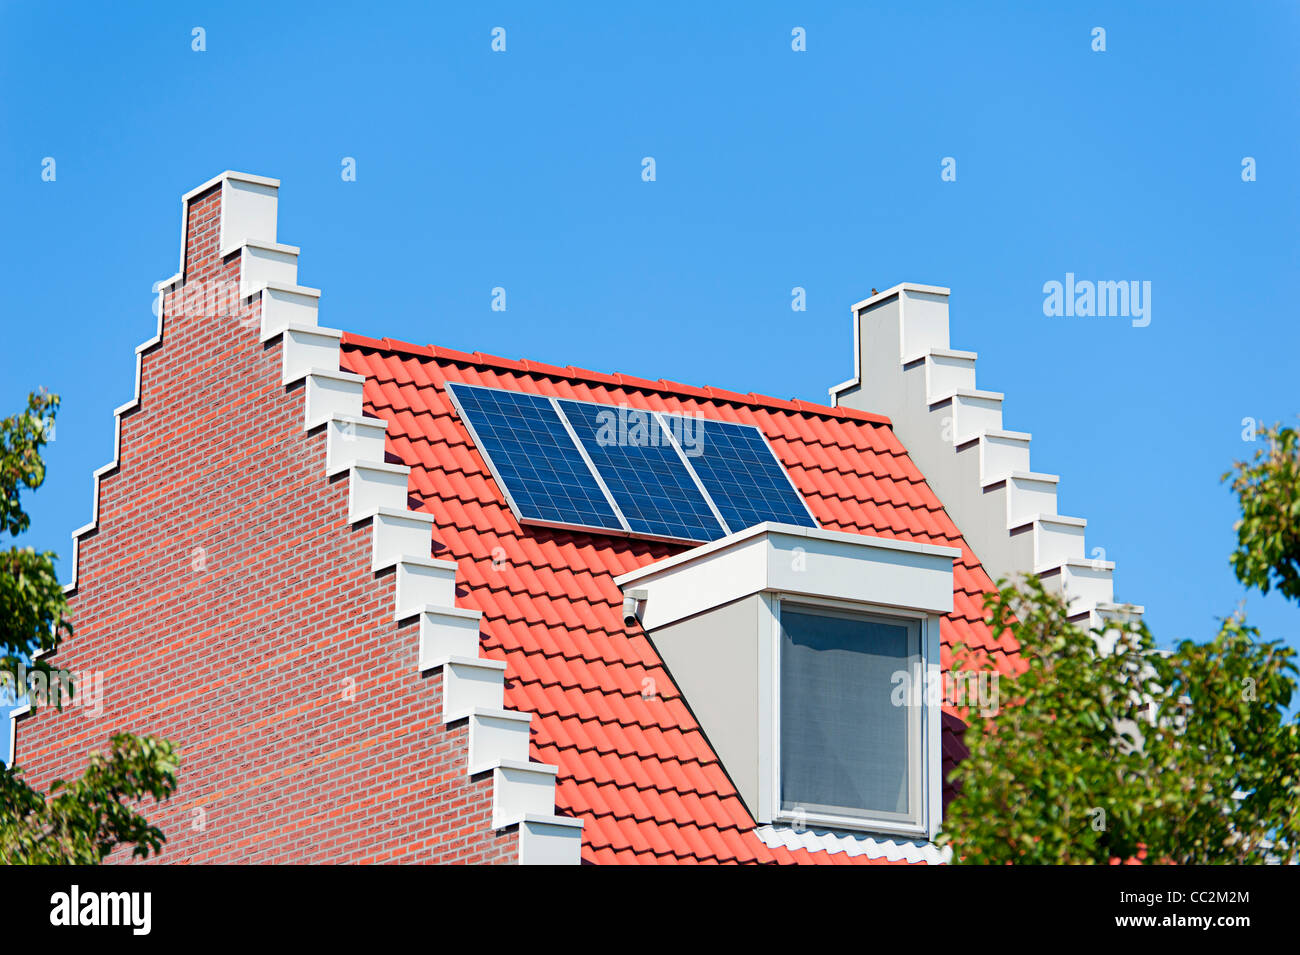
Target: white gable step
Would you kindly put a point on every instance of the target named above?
(471, 683)
(1108, 613)
(284, 305)
(1002, 453)
(248, 208)
(519, 789)
(372, 485)
(423, 581)
(1048, 540)
(546, 839)
(446, 633)
(331, 392)
(306, 347)
(973, 412)
(921, 312)
(1120, 612)
(1108, 618)
(398, 533)
(948, 371)
(1084, 583)
(262, 263)
(350, 439)
(1027, 495)
(498, 734)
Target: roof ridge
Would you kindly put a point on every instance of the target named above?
(662, 386)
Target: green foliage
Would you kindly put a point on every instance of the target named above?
(83, 821)
(1229, 766)
(1268, 534)
(32, 607)
(80, 823)
(1110, 750)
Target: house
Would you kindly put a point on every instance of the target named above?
(395, 602)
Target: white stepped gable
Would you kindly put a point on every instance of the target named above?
(523, 792)
(906, 369)
(248, 209)
(286, 305)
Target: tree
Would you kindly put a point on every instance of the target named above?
(83, 821)
(1268, 534)
(1110, 750)
(1122, 752)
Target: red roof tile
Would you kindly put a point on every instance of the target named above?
(633, 763)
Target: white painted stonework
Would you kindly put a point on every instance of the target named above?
(905, 368)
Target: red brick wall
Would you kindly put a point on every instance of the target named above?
(231, 609)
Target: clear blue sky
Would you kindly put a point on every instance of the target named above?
(775, 169)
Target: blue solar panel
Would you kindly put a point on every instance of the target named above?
(643, 471)
(632, 478)
(534, 457)
(741, 473)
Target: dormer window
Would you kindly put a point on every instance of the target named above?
(815, 632)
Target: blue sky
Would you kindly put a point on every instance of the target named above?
(775, 169)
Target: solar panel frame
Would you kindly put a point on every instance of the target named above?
(654, 487)
(741, 505)
(513, 490)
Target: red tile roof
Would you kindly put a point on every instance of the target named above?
(638, 771)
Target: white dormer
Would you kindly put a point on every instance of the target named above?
(793, 647)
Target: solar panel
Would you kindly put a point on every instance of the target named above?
(533, 458)
(623, 470)
(645, 475)
(742, 475)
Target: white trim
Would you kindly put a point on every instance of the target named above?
(954, 432)
(160, 289)
(185, 201)
(828, 565)
(231, 174)
(523, 792)
(14, 715)
(793, 530)
(769, 715)
(856, 381)
(269, 246)
(897, 289)
(275, 286)
(853, 844)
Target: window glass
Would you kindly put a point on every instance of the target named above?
(844, 745)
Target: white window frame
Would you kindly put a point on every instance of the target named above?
(925, 759)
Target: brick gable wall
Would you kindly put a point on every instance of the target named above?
(231, 608)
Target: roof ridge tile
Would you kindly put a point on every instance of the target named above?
(530, 366)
